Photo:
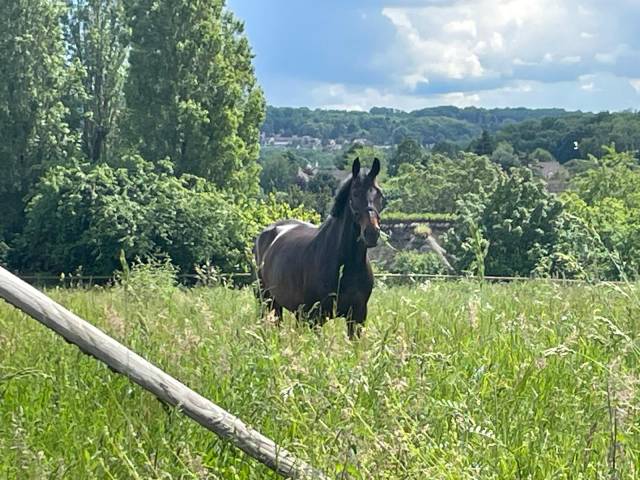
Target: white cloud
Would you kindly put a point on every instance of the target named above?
(471, 40)
(612, 56)
(571, 59)
(462, 26)
(341, 97)
(497, 41)
(572, 95)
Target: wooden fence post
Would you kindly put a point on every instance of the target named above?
(93, 341)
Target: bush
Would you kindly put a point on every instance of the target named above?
(600, 231)
(85, 216)
(408, 262)
(508, 229)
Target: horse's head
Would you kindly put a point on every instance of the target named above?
(366, 201)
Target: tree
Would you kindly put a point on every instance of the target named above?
(278, 173)
(33, 134)
(540, 155)
(365, 153)
(437, 186)
(483, 145)
(191, 91)
(408, 151)
(600, 237)
(97, 37)
(517, 221)
(317, 194)
(445, 148)
(505, 156)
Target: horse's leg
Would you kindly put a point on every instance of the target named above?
(355, 321)
(277, 313)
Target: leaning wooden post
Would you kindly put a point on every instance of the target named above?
(93, 341)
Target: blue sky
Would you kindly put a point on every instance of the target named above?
(355, 54)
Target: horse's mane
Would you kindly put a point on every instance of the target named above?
(341, 197)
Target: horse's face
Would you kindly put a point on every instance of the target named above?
(366, 201)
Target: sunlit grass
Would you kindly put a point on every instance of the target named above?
(451, 380)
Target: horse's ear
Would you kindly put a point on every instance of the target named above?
(355, 169)
(375, 168)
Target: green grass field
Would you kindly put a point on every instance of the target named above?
(451, 381)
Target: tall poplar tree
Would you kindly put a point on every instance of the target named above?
(97, 37)
(191, 93)
(33, 133)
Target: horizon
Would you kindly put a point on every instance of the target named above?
(415, 54)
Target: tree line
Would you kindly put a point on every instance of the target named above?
(128, 128)
(566, 135)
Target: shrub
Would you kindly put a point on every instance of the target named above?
(509, 228)
(85, 216)
(417, 262)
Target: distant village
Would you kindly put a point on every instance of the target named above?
(554, 174)
(313, 143)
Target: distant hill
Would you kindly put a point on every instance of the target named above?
(387, 126)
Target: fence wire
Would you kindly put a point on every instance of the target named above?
(246, 278)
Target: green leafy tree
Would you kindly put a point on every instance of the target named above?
(317, 194)
(483, 145)
(600, 234)
(191, 91)
(97, 36)
(278, 173)
(438, 186)
(33, 134)
(514, 224)
(540, 155)
(408, 152)
(505, 156)
(366, 154)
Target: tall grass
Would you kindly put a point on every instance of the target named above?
(451, 381)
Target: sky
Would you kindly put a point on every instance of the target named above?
(411, 54)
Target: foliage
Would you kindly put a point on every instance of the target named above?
(317, 194)
(437, 186)
(484, 145)
(97, 36)
(517, 219)
(278, 172)
(600, 234)
(4, 251)
(410, 261)
(540, 155)
(366, 154)
(85, 216)
(505, 156)
(154, 277)
(307, 156)
(576, 135)
(33, 134)
(191, 91)
(520, 380)
(407, 152)
(385, 126)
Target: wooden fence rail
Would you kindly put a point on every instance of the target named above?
(93, 341)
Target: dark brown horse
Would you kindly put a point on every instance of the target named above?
(321, 272)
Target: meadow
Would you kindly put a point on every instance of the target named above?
(452, 380)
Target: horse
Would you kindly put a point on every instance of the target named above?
(323, 272)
